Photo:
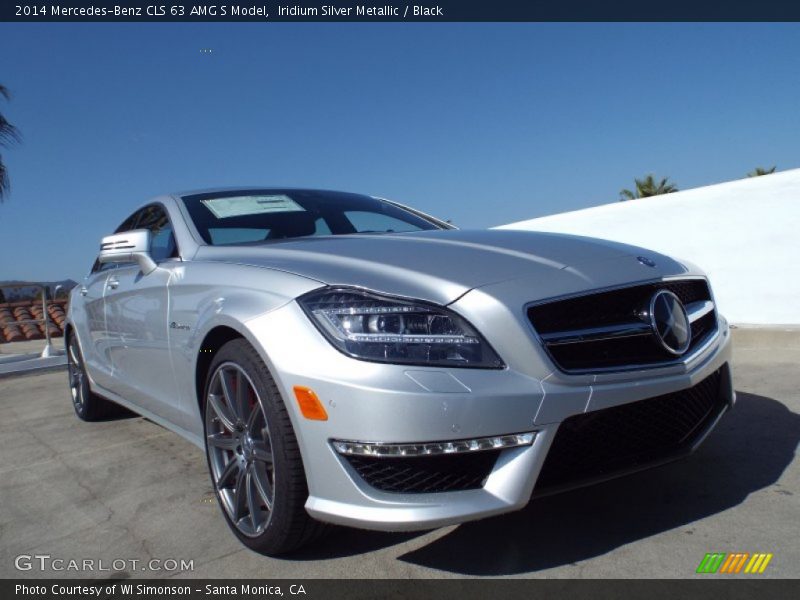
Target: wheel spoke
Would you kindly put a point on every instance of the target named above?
(242, 389)
(227, 474)
(230, 395)
(251, 419)
(253, 502)
(240, 495)
(262, 484)
(254, 419)
(72, 354)
(222, 441)
(74, 366)
(262, 453)
(223, 412)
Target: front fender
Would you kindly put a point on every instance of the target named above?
(206, 296)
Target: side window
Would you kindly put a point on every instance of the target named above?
(129, 223)
(162, 237)
(99, 267)
(322, 227)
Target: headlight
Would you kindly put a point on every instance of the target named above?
(384, 329)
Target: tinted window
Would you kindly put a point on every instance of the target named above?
(97, 267)
(253, 216)
(242, 235)
(129, 223)
(162, 237)
(370, 222)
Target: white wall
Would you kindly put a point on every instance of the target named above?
(745, 234)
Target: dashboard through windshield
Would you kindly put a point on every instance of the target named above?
(263, 215)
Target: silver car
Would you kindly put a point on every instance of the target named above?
(346, 359)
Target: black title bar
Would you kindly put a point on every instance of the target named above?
(423, 10)
(741, 588)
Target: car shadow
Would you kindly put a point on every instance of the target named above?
(117, 412)
(341, 542)
(748, 451)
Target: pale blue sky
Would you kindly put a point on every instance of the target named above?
(479, 123)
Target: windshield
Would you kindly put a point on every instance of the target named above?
(263, 215)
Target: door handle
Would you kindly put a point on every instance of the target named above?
(113, 283)
(84, 290)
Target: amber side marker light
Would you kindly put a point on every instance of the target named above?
(309, 404)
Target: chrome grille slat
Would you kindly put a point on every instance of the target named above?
(699, 309)
(610, 329)
(597, 333)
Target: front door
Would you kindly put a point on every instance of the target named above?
(136, 309)
(90, 323)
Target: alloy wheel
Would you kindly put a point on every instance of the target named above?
(76, 375)
(239, 449)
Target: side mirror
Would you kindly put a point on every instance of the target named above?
(128, 247)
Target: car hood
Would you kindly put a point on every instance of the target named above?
(440, 266)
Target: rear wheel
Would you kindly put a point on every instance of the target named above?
(88, 405)
(252, 452)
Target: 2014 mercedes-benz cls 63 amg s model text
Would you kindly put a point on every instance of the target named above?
(346, 359)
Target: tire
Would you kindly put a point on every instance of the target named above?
(252, 453)
(88, 405)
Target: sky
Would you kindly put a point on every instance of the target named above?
(483, 124)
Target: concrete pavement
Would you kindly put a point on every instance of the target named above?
(128, 489)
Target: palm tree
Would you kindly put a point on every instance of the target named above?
(8, 135)
(648, 187)
(761, 171)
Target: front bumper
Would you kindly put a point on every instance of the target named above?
(374, 402)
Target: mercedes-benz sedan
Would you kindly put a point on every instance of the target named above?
(346, 359)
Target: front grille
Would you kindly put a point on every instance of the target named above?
(702, 328)
(600, 443)
(425, 474)
(615, 309)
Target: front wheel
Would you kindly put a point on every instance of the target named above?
(252, 452)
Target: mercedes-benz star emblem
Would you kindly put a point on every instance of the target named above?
(670, 322)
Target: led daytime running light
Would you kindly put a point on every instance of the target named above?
(378, 449)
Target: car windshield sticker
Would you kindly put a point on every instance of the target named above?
(251, 205)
